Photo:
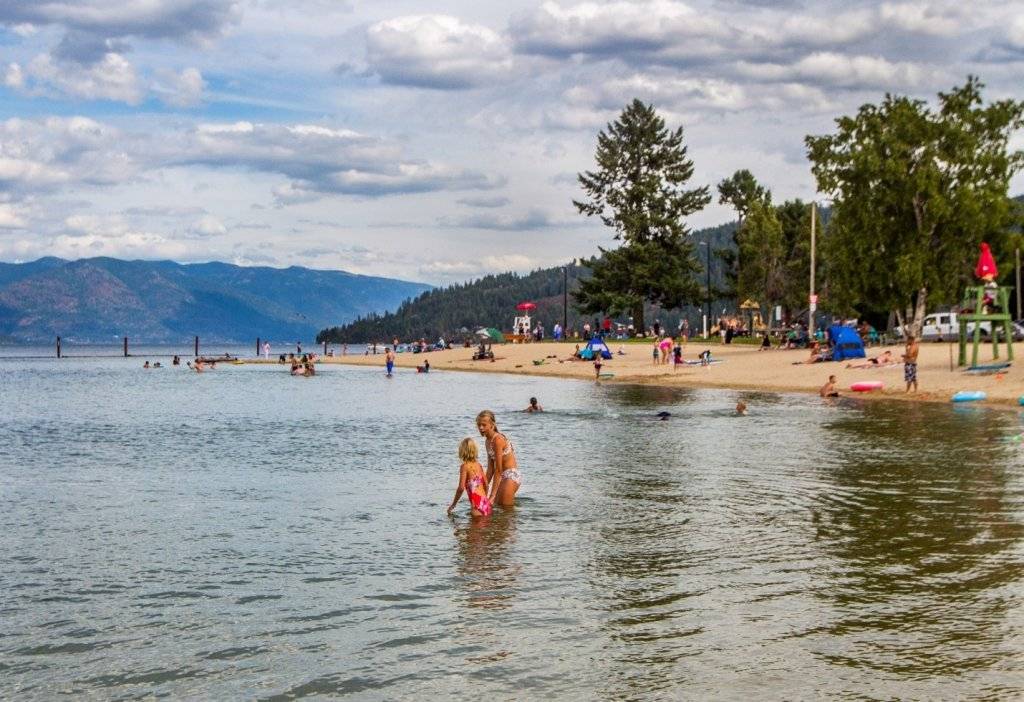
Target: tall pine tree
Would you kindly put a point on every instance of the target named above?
(638, 190)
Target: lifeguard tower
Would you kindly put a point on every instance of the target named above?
(522, 326)
(985, 303)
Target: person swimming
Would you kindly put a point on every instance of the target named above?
(534, 407)
(741, 408)
(472, 481)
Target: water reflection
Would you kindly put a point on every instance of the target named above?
(487, 573)
(925, 535)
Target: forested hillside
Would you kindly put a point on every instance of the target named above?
(491, 302)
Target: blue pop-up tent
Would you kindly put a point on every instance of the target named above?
(595, 346)
(845, 342)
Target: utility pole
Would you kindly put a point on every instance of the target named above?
(707, 297)
(812, 299)
(1019, 316)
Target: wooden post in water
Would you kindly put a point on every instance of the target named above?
(197, 347)
(126, 347)
(325, 348)
(58, 347)
(257, 347)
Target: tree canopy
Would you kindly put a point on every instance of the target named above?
(639, 191)
(915, 190)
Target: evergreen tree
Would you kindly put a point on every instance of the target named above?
(638, 190)
(914, 192)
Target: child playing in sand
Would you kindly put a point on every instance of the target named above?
(472, 481)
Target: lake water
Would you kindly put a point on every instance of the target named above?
(245, 534)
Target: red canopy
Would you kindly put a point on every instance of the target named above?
(526, 306)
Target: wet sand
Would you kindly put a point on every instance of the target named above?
(742, 367)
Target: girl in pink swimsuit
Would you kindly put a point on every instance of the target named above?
(472, 481)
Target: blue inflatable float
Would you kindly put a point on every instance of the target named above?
(969, 396)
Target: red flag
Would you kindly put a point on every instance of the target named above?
(986, 268)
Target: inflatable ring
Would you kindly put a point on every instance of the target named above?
(866, 386)
(969, 396)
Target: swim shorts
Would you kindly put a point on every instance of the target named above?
(910, 373)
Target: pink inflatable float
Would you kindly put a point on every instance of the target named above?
(866, 386)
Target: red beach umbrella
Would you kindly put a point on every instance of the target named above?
(986, 268)
(526, 306)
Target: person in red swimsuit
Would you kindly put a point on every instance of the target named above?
(472, 481)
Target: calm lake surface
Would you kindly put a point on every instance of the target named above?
(246, 534)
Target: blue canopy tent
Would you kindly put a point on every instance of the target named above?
(845, 342)
(595, 346)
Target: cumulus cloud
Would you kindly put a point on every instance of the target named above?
(436, 51)
(110, 78)
(10, 217)
(611, 28)
(461, 269)
(191, 20)
(323, 161)
(533, 219)
(484, 201)
(40, 155)
(205, 227)
(183, 89)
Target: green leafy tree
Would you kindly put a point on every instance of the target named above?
(795, 218)
(639, 191)
(742, 192)
(915, 190)
(762, 245)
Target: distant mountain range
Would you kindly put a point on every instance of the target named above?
(98, 299)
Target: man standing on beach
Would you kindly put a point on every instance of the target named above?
(389, 360)
(266, 350)
(910, 363)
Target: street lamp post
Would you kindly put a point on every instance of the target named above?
(565, 300)
(707, 292)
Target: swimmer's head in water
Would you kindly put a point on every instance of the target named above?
(468, 450)
(741, 408)
(533, 401)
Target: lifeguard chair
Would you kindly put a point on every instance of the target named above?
(522, 326)
(987, 303)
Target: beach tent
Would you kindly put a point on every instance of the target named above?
(594, 346)
(846, 343)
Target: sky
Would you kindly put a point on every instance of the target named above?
(429, 141)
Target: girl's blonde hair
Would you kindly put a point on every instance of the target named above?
(489, 415)
(467, 450)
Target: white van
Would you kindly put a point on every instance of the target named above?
(944, 325)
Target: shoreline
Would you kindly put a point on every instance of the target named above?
(742, 367)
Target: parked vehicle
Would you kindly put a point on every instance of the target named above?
(943, 326)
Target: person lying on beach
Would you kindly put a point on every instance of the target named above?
(534, 407)
(829, 388)
(817, 355)
(472, 481)
(883, 359)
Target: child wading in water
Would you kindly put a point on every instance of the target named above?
(472, 480)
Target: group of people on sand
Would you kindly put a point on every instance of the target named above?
(886, 358)
(499, 483)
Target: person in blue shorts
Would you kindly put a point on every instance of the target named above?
(389, 360)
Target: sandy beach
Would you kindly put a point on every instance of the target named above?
(742, 367)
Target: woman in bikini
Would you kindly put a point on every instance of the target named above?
(502, 468)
